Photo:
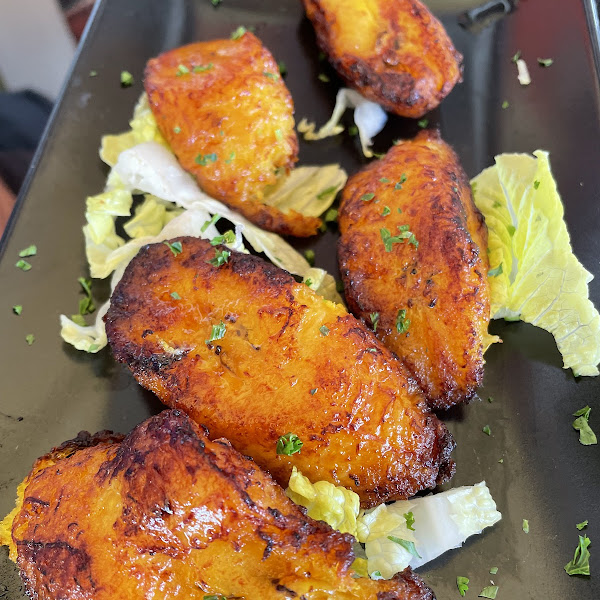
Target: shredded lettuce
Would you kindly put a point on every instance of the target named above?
(401, 534)
(335, 505)
(369, 118)
(534, 275)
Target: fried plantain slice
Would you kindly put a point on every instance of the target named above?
(395, 53)
(167, 513)
(412, 254)
(253, 355)
(228, 117)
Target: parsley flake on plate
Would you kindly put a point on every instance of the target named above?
(221, 257)
(29, 251)
(207, 224)
(288, 444)
(310, 257)
(462, 583)
(203, 68)
(545, 62)
(30, 338)
(182, 70)
(217, 332)
(525, 525)
(422, 123)
(386, 211)
(374, 316)
(410, 520)
(175, 296)
(493, 570)
(322, 77)
(23, 265)
(496, 271)
(582, 525)
(204, 159)
(238, 33)
(402, 323)
(410, 546)
(17, 309)
(367, 197)
(505, 104)
(491, 591)
(126, 79)
(324, 330)
(282, 68)
(175, 247)
(486, 429)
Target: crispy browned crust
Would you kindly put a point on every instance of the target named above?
(363, 422)
(442, 284)
(168, 513)
(240, 110)
(395, 53)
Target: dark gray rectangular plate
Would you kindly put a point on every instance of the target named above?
(50, 391)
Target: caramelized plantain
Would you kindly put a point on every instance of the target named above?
(166, 513)
(228, 117)
(395, 53)
(412, 240)
(253, 355)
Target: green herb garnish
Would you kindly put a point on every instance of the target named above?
(516, 56)
(221, 257)
(353, 130)
(176, 129)
(402, 180)
(324, 330)
(331, 215)
(203, 160)
(410, 546)
(367, 197)
(423, 123)
(289, 444)
(227, 238)
(384, 180)
(326, 192)
(93, 73)
(486, 429)
(207, 224)
(493, 570)
(582, 525)
(525, 525)
(545, 62)
(282, 68)
(230, 159)
(536, 184)
(217, 332)
(310, 257)
(580, 565)
(203, 68)
(175, 247)
(410, 520)
(386, 211)
(402, 323)
(586, 436)
(462, 583)
(182, 70)
(505, 104)
(175, 296)
(322, 77)
(374, 320)
(126, 79)
(270, 75)
(278, 134)
(30, 338)
(86, 305)
(495, 272)
(313, 391)
(17, 309)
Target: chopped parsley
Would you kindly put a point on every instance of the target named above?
(175, 296)
(376, 575)
(238, 33)
(586, 436)
(230, 159)
(217, 332)
(536, 184)
(207, 224)
(402, 323)
(29, 251)
(313, 391)
(486, 429)
(389, 240)
(496, 271)
(493, 570)
(545, 62)
(227, 238)
(203, 68)
(423, 123)
(501, 461)
(182, 70)
(214, 3)
(221, 257)
(204, 159)
(490, 399)
(282, 68)
(580, 565)
(270, 75)
(278, 134)
(511, 230)
(23, 265)
(386, 211)
(505, 104)
(410, 520)
(374, 320)
(516, 56)
(410, 546)
(308, 282)
(18, 309)
(126, 79)
(175, 247)
(402, 180)
(310, 257)
(384, 180)
(582, 525)
(79, 320)
(353, 130)
(289, 444)
(30, 338)
(462, 583)
(93, 73)
(339, 286)
(525, 525)
(331, 215)
(176, 129)
(367, 197)
(326, 192)
(490, 591)
(324, 330)
(322, 77)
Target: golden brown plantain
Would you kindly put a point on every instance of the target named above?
(228, 117)
(441, 284)
(166, 513)
(287, 361)
(394, 52)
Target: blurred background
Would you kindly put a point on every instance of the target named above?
(38, 40)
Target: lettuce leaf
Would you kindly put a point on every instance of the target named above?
(534, 275)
